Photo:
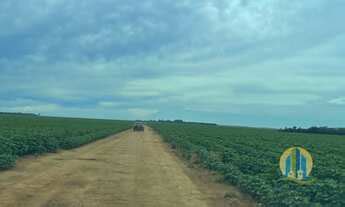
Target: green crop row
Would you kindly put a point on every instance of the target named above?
(249, 158)
(30, 135)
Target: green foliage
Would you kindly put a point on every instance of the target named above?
(249, 159)
(7, 161)
(28, 135)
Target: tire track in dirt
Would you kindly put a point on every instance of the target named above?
(128, 169)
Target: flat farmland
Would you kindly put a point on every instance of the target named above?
(249, 159)
(125, 169)
(48, 161)
(22, 135)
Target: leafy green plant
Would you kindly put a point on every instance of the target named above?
(7, 161)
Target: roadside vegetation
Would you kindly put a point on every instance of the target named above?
(249, 159)
(31, 135)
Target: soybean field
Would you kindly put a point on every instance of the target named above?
(29, 134)
(249, 159)
(127, 169)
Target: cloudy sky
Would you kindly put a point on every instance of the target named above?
(270, 63)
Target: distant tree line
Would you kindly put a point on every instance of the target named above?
(18, 114)
(183, 122)
(316, 130)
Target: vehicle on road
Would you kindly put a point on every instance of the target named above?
(138, 126)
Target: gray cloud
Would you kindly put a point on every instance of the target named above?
(157, 59)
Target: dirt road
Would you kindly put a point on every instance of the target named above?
(129, 169)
